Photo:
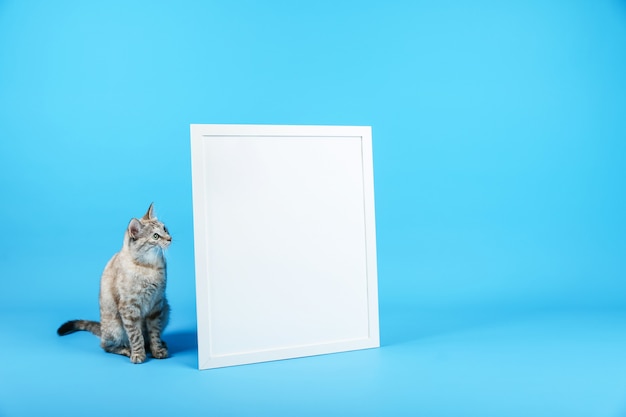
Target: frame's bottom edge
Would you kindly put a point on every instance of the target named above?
(278, 355)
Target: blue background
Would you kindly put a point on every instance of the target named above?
(500, 177)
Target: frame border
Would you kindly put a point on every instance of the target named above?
(199, 134)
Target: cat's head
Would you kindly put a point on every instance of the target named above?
(148, 232)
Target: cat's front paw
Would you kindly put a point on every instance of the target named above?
(138, 357)
(160, 352)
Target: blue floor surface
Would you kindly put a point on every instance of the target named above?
(430, 364)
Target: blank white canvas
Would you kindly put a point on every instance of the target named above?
(284, 242)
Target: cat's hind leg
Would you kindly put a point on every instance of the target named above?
(113, 338)
(118, 350)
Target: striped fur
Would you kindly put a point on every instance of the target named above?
(77, 325)
(133, 307)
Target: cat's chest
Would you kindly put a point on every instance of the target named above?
(145, 286)
(150, 283)
(149, 296)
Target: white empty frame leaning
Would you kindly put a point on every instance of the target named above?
(285, 242)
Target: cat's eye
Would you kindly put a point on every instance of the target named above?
(156, 236)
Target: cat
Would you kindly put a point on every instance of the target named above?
(133, 307)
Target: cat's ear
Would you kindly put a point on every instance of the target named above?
(134, 227)
(150, 213)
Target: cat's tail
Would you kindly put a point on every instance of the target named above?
(77, 325)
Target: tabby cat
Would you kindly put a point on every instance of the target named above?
(133, 307)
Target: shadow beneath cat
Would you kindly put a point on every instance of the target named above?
(181, 341)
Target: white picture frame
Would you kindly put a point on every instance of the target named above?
(285, 242)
